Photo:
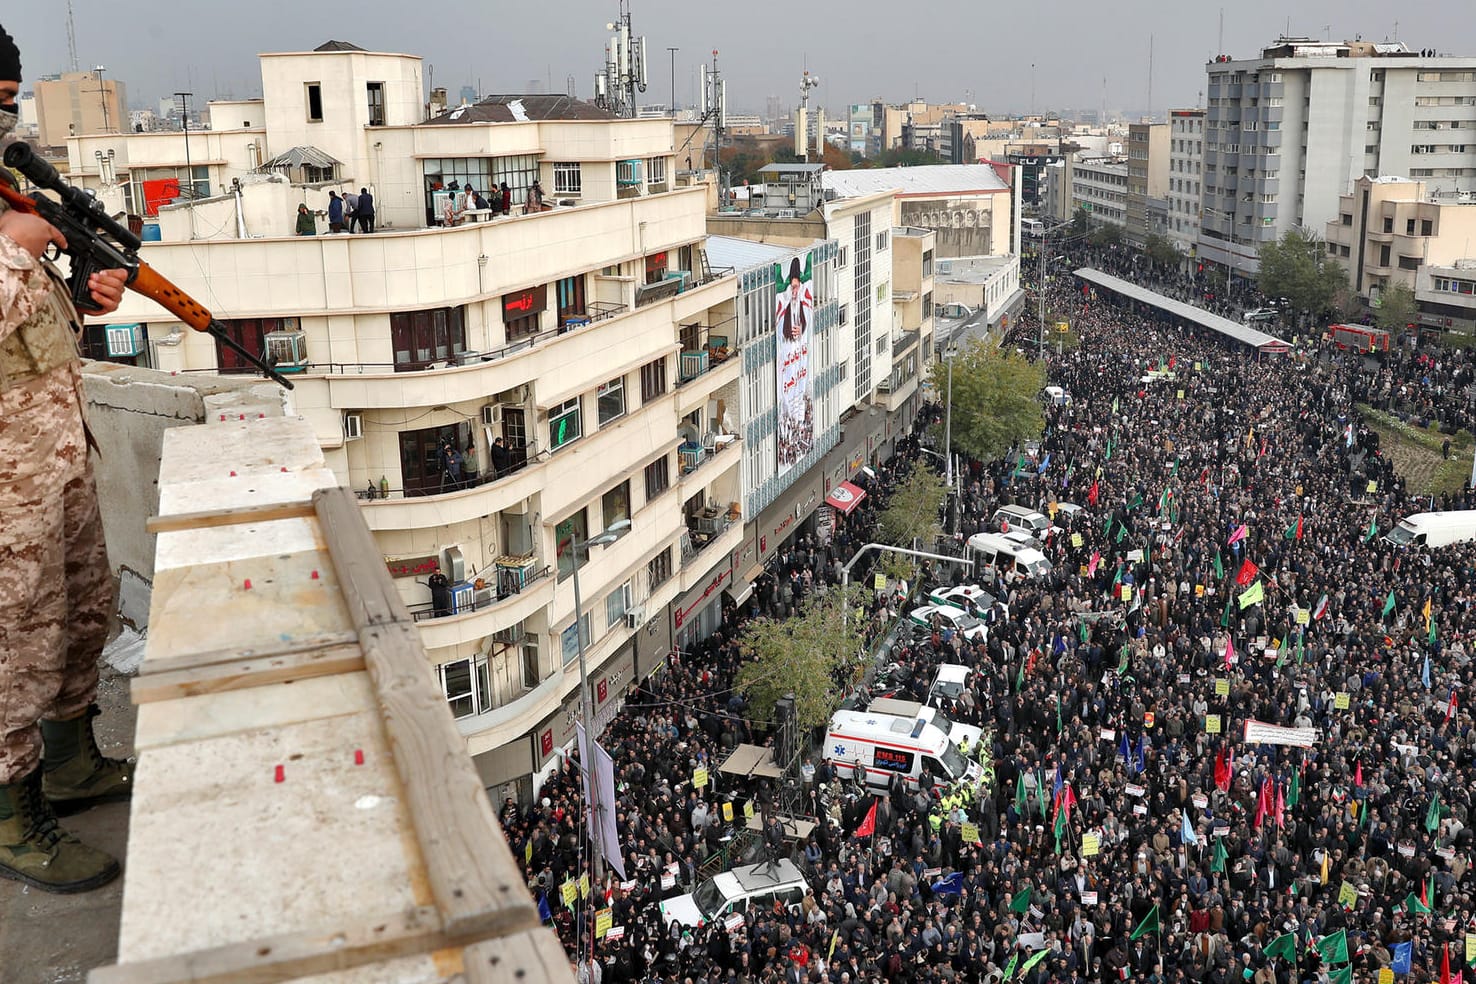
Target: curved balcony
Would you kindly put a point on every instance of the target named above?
(398, 510)
(498, 613)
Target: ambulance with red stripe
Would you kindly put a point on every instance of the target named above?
(882, 746)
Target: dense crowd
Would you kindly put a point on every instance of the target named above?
(1129, 831)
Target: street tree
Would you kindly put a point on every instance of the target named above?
(912, 518)
(1396, 307)
(996, 398)
(1105, 234)
(1298, 268)
(1160, 251)
(1346, 304)
(1081, 223)
(813, 656)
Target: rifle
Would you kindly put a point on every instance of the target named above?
(96, 242)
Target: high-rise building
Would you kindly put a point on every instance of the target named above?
(1148, 167)
(77, 103)
(1289, 132)
(1186, 163)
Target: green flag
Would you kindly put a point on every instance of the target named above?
(1021, 902)
(1108, 455)
(1059, 830)
(1373, 529)
(1253, 595)
(1019, 790)
(1218, 859)
(1388, 604)
(1085, 632)
(1114, 405)
(1040, 791)
(1294, 793)
(1432, 815)
(1412, 904)
(1219, 565)
(1122, 531)
(1009, 970)
(1342, 976)
(1059, 727)
(1137, 501)
(1432, 631)
(1148, 925)
(1284, 946)
(1300, 634)
(1225, 616)
(1035, 958)
(1291, 531)
(1334, 948)
(1175, 470)
(1122, 664)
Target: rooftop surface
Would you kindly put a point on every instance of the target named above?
(522, 109)
(926, 179)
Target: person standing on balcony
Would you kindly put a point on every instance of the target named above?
(335, 212)
(365, 211)
(501, 459)
(55, 585)
(351, 209)
(307, 225)
(506, 198)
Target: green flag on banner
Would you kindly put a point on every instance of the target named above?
(1373, 529)
(1412, 904)
(1432, 815)
(1284, 946)
(1009, 970)
(1035, 958)
(1021, 902)
(1294, 792)
(1388, 604)
(1148, 925)
(1334, 948)
(1020, 792)
(1432, 631)
(1218, 859)
(1341, 976)
(1219, 565)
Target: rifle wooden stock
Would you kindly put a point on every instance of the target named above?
(158, 288)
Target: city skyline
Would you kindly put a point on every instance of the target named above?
(1103, 61)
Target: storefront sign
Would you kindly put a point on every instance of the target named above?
(690, 603)
(413, 566)
(522, 303)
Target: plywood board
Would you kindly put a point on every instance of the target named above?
(207, 606)
(219, 852)
(244, 673)
(244, 490)
(191, 547)
(253, 446)
(532, 955)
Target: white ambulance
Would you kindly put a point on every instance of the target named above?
(885, 745)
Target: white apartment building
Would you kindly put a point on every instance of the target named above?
(1289, 132)
(1100, 186)
(1447, 295)
(1186, 164)
(594, 342)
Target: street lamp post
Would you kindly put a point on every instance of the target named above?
(882, 548)
(586, 707)
(948, 356)
(673, 80)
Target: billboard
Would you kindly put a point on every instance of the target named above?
(794, 324)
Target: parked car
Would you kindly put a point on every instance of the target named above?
(970, 597)
(733, 891)
(972, 629)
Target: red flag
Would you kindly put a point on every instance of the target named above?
(1280, 807)
(1229, 652)
(1425, 901)
(1445, 964)
(1358, 773)
(868, 826)
(1299, 527)
(1247, 573)
(1222, 770)
(1172, 360)
(1092, 493)
(1262, 805)
(1450, 708)
(1237, 536)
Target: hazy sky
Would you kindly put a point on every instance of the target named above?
(943, 50)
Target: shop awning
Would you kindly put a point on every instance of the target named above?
(845, 497)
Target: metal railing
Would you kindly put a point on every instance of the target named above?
(500, 590)
(705, 347)
(449, 486)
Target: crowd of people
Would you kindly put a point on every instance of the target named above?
(1227, 568)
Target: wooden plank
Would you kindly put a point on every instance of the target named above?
(534, 955)
(290, 956)
(219, 851)
(370, 594)
(229, 516)
(244, 490)
(245, 447)
(476, 883)
(236, 712)
(169, 664)
(244, 673)
(248, 541)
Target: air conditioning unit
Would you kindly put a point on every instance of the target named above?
(353, 426)
(287, 348)
(635, 616)
(492, 414)
(125, 340)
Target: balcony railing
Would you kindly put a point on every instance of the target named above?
(518, 459)
(692, 459)
(705, 347)
(702, 532)
(508, 583)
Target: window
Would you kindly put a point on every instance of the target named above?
(1427, 227)
(1384, 255)
(250, 334)
(457, 684)
(531, 674)
(517, 171)
(617, 602)
(1388, 224)
(655, 170)
(569, 642)
(628, 172)
(611, 400)
(653, 380)
(570, 293)
(422, 338)
(564, 424)
(615, 504)
(376, 103)
(1409, 263)
(659, 569)
(567, 178)
(881, 292)
(314, 102)
(522, 312)
(840, 258)
(571, 531)
(1409, 227)
(657, 478)
(656, 267)
(423, 461)
(882, 239)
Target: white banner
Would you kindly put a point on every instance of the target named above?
(1260, 733)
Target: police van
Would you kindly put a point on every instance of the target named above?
(885, 745)
(991, 553)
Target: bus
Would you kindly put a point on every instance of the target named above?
(1360, 338)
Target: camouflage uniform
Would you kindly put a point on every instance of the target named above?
(56, 590)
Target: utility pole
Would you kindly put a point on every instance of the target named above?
(102, 92)
(673, 80)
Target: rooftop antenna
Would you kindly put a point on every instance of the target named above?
(624, 73)
(1220, 42)
(71, 36)
(802, 122)
(1148, 113)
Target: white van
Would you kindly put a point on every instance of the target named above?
(950, 683)
(1056, 396)
(733, 891)
(912, 709)
(991, 552)
(1020, 517)
(1434, 529)
(885, 745)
